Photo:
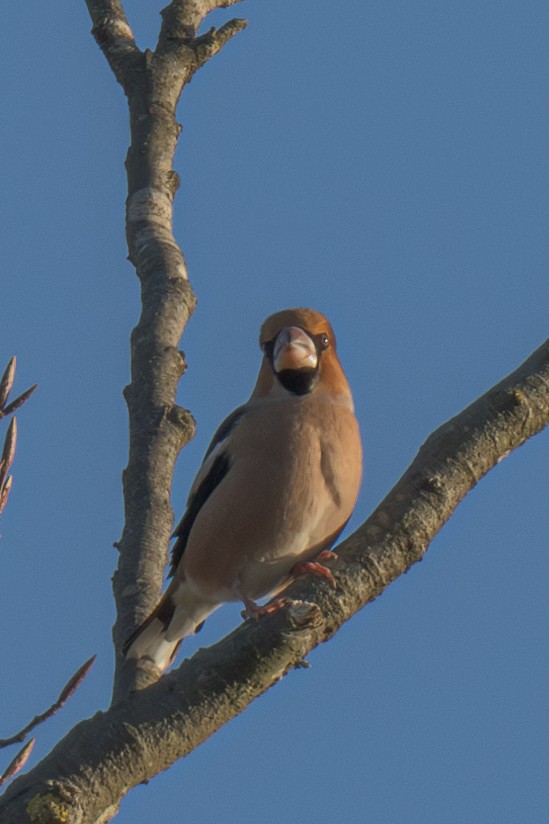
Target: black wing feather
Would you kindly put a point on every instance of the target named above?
(217, 472)
(225, 429)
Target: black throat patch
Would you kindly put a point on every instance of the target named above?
(298, 381)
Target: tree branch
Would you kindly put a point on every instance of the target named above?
(209, 44)
(114, 36)
(153, 82)
(182, 18)
(89, 772)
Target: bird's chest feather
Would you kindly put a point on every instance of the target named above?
(279, 500)
(288, 493)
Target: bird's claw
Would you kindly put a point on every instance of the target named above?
(304, 567)
(254, 611)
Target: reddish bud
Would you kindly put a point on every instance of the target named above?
(19, 401)
(4, 492)
(8, 452)
(6, 382)
(18, 762)
(72, 685)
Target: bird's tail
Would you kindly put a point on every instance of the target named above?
(179, 613)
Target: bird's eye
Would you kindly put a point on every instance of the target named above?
(323, 340)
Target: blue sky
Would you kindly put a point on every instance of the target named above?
(384, 162)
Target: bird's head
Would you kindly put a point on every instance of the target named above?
(299, 355)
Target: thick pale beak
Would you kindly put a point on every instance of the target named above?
(294, 349)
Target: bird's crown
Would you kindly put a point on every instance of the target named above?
(308, 319)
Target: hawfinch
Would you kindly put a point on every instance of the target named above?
(277, 485)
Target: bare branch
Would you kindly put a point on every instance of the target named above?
(67, 692)
(18, 762)
(153, 82)
(182, 18)
(144, 734)
(113, 35)
(158, 427)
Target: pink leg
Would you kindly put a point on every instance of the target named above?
(254, 611)
(304, 567)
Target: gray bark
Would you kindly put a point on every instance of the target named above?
(153, 82)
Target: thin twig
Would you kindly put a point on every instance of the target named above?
(68, 690)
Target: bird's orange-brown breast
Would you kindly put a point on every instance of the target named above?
(289, 492)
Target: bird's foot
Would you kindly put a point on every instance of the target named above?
(304, 567)
(255, 612)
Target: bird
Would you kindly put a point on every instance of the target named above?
(277, 485)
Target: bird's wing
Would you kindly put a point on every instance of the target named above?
(214, 467)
